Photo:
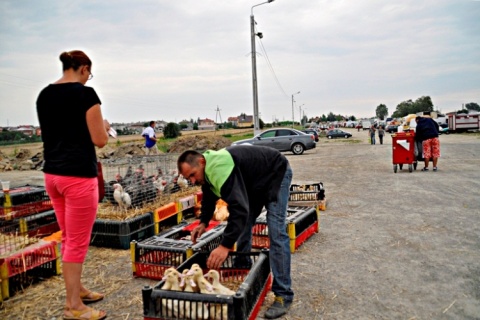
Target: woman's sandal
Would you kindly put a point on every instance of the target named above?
(91, 297)
(86, 314)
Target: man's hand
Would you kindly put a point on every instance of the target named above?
(197, 232)
(217, 257)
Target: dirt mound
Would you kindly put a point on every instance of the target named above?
(199, 143)
(121, 151)
(32, 159)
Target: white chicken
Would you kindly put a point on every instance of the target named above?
(182, 182)
(123, 199)
(160, 184)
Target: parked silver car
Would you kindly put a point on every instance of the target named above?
(282, 139)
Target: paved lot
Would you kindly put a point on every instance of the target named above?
(391, 246)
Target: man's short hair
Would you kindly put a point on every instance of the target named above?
(190, 157)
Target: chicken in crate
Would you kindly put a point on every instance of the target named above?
(133, 183)
(308, 194)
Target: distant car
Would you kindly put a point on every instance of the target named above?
(282, 139)
(311, 131)
(338, 133)
(391, 128)
(443, 128)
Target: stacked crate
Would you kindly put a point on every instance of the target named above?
(308, 194)
(26, 215)
(25, 201)
(301, 224)
(151, 257)
(250, 285)
(27, 266)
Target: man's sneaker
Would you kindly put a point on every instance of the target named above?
(435, 169)
(278, 308)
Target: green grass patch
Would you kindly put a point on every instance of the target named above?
(240, 137)
(163, 144)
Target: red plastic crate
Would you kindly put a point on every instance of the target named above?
(40, 225)
(28, 258)
(302, 223)
(27, 266)
(26, 200)
(198, 197)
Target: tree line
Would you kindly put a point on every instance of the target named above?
(419, 105)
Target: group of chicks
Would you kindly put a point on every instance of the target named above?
(193, 280)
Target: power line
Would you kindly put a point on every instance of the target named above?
(272, 70)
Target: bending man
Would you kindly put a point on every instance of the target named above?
(247, 178)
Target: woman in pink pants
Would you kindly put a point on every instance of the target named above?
(72, 125)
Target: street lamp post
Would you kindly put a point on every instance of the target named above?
(293, 113)
(256, 122)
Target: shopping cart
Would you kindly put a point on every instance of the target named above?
(403, 150)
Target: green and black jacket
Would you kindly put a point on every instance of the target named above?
(246, 178)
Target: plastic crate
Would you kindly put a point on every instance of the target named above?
(166, 216)
(34, 263)
(254, 284)
(10, 227)
(151, 257)
(306, 192)
(187, 206)
(186, 202)
(119, 234)
(301, 224)
(26, 200)
(198, 197)
(39, 225)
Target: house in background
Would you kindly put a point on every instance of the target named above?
(187, 125)
(206, 124)
(25, 129)
(233, 121)
(245, 121)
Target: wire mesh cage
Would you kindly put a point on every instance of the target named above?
(142, 183)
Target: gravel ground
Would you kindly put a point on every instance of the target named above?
(390, 246)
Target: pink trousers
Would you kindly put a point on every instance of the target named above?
(75, 201)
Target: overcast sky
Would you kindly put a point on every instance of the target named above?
(174, 60)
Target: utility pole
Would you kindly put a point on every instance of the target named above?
(218, 114)
(293, 109)
(256, 122)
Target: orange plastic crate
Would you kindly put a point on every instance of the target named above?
(166, 216)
